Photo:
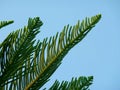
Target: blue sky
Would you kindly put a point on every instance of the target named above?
(98, 54)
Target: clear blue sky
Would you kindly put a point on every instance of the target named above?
(98, 54)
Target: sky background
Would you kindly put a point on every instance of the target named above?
(97, 55)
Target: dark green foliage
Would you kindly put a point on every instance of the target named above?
(15, 50)
(5, 23)
(26, 65)
(81, 83)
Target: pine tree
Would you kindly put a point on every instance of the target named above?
(27, 64)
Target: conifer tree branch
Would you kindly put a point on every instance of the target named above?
(15, 50)
(68, 38)
(25, 66)
(5, 23)
(81, 83)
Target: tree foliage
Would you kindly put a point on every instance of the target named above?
(27, 64)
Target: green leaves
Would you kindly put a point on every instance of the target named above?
(57, 47)
(81, 83)
(34, 23)
(26, 65)
(5, 23)
(16, 49)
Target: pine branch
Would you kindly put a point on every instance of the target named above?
(15, 50)
(56, 48)
(81, 83)
(5, 23)
(25, 66)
